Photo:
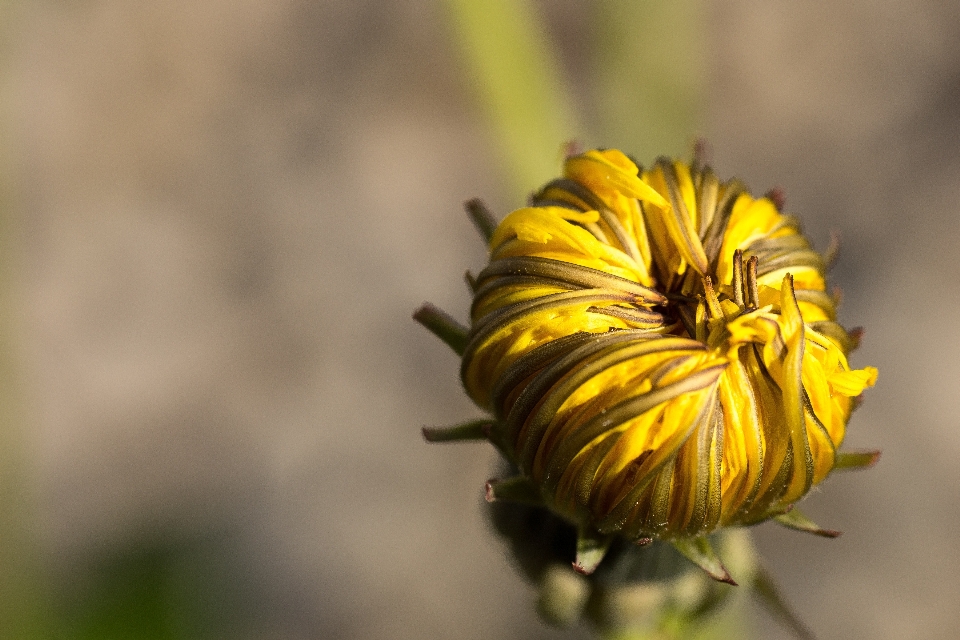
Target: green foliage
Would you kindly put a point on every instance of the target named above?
(162, 588)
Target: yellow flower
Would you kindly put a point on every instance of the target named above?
(659, 355)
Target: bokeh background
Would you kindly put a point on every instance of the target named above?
(218, 217)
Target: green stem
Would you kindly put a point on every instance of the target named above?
(649, 75)
(21, 601)
(513, 69)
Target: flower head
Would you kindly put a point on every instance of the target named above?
(659, 356)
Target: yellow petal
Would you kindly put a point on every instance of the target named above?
(852, 383)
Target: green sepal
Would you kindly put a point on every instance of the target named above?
(471, 281)
(518, 489)
(793, 519)
(442, 325)
(855, 460)
(833, 250)
(768, 593)
(591, 548)
(700, 552)
(481, 217)
(473, 430)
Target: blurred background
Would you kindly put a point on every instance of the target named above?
(217, 218)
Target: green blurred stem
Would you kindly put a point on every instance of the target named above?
(650, 75)
(513, 69)
(21, 604)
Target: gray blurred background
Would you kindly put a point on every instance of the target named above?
(220, 216)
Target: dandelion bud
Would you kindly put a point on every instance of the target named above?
(658, 356)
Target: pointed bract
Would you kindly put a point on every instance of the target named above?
(793, 519)
(517, 489)
(473, 430)
(444, 326)
(591, 548)
(481, 217)
(855, 460)
(701, 553)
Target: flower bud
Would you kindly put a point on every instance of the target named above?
(658, 355)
